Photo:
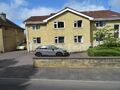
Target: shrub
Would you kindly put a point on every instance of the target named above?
(111, 42)
(97, 51)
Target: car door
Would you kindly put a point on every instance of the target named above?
(50, 52)
(44, 51)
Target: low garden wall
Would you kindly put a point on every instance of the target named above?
(77, 62)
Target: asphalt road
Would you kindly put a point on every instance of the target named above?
(42, 84)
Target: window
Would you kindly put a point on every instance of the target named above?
(59, 39)
(116, 27)
(78, 23)
(59, 24)
(100, 23)
(100, 37)
(35, 27)
(0, 25)
(116, 32)
(37, 40)
(78, 39)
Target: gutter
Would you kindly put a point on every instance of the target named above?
(32, 22)
(99, 19)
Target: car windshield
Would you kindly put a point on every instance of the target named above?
(21, 44)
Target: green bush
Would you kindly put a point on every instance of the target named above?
(101, 51)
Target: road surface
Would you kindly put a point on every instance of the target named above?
(42, 84)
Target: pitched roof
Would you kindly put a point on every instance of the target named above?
(102, 14)
(7, 22)
(92, 15)
(37, 18)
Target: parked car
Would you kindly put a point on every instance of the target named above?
(50, 50)
(21, 46)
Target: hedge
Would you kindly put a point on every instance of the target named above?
(98, 51)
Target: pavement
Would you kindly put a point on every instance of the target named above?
(18, 64)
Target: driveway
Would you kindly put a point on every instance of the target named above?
(18, 64)
(25, 58)
(21, 57)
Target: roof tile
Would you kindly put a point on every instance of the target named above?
(94, 14)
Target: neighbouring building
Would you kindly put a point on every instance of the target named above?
(10, 34)
(69, 28)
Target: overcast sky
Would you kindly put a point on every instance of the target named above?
(19, 10)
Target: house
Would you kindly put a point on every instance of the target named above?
(69, 28)
(10, 34)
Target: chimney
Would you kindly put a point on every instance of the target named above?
(3, 16)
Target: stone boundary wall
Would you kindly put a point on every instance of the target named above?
(76, 62)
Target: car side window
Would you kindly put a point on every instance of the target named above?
(43, 48)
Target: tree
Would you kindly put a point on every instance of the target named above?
(106, 35)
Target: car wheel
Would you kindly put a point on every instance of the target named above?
(59, 54)
(38, 54)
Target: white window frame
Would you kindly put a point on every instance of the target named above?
(76, 37)
(35, 25)
(118, 30)
(103, 23)
(76, 21)
(35, 40)
(57, 38)
(57, 24)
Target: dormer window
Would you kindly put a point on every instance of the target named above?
(100, 23)
(59, 24)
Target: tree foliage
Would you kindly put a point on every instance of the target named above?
(107, 37)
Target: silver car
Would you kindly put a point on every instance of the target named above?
(50, 50)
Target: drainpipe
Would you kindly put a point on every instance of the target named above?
(27, 38)
(119, 30)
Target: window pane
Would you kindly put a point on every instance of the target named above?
(61, 39)
(34, 40)
(116, 34)
(56, 40)
(75, 40)
(60, 24)
(100, 23)
(33, 27)
(37, 26)
(75, 24)
(38, 40)
(79, 23)
(100, 37)
(79, 38)
(55, 25)
(97, 24)
(116, 27)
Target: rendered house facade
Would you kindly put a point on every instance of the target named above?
(69, 29)
(10, 34)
